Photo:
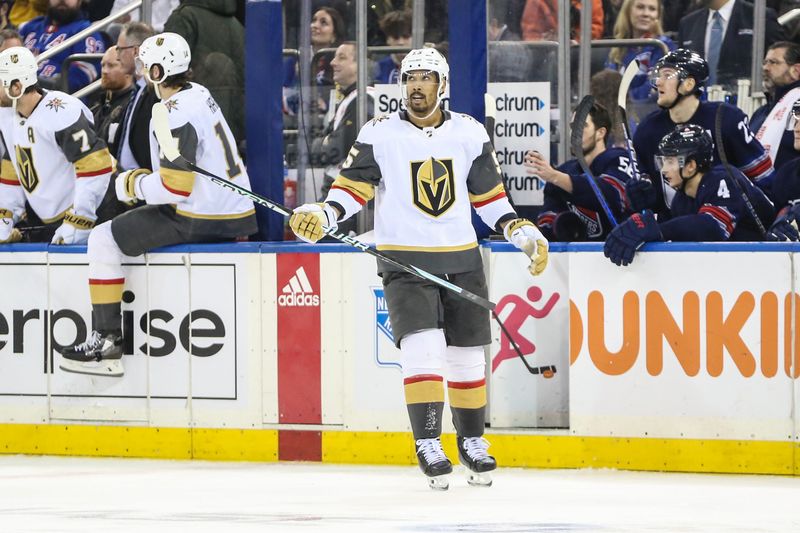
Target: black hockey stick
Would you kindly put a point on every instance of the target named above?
(719, 141)
(576, 143)
(622, 102)
(170, 150)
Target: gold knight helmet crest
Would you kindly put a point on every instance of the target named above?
(159, 41)
(14, 58)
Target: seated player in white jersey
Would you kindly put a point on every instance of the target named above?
(179, 208)
(53, 160)
(426, 167)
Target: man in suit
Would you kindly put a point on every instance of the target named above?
(725, 25)
(132, 138)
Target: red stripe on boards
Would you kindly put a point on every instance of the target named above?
(296, 445)
(298, 313)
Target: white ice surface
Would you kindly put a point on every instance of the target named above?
(52, 494)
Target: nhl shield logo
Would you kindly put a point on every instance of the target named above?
(433, 185)
(386, 354)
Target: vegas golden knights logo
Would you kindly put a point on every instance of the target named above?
(14, 58)
(433, 185)
(28, 177)
(159, 41)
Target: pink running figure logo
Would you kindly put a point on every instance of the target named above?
(519, 314)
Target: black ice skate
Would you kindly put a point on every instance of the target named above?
(100, 355)
(434, 463)
(472, 454)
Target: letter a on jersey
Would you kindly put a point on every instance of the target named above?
(433, 185)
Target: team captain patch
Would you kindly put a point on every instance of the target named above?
(433, 185)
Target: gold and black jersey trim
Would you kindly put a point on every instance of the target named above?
(232, 216)
(361, 192)
(8, 174)
(95, 164)
(399, 247)
(180, 182)
(479, 200)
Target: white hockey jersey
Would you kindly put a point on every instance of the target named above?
(424, 181)
(204, 139)
(53, 159)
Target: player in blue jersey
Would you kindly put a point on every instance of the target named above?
(572, 211)
(706, 206)
(679, 78)
(785, 191)
(64, 19)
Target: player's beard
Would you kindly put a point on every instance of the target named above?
(588, 150)
(62, 15)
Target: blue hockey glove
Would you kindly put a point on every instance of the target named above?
(785, 226)
(625, 239)
(641, 194)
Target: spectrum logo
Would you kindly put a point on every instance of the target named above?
(298, 292)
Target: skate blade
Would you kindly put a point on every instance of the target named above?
(439, 482)
(111, 367)
(479, 479)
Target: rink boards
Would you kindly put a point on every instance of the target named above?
(685, 361)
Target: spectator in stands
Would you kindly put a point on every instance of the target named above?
(772, 122)
(540, 20)
(706, 206)
(396, 25)
(512, 60)
(331, 150)
(611, 10)
(132, 140)
(160, 10)
(572, 211)
(216, 38)
(639, 19)
(725, 25)
(63, 20)
(117, 85)
(327, 31)
(9, 38)
(23, 11)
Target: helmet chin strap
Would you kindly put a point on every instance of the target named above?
(439, 93)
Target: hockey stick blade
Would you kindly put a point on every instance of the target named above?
(622, 103)
(723, 157)
(576, 143)
(166, 140)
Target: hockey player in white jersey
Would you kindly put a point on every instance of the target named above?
(180, 208)
(53, 158)
(425, 167)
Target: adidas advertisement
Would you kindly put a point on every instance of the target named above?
(298, 291)
(299, 338)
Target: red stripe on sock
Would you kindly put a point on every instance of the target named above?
(422, 377)
(466, 384)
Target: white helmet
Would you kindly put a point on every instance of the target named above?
(18, 63)
(427, 59)
(169, 51)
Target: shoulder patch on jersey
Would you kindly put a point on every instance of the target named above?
(171, 105)
(55, 104)
(377, 120)
(212, 105)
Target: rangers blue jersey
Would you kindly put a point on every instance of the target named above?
(741, 146)
(717, 212)
(612, 169)
(41, 34)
